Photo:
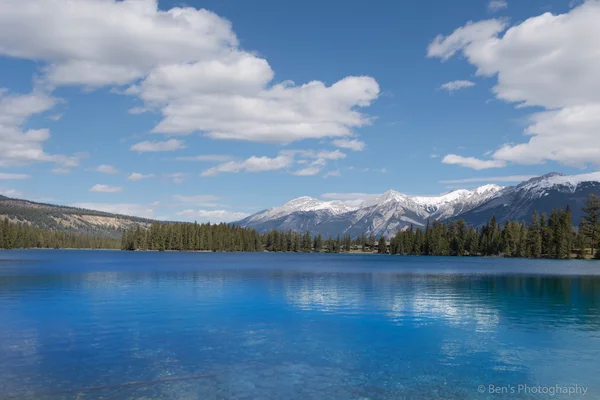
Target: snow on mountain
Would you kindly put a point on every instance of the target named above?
(538, 186)
(393, 211)
(541, 194)
(379, 215)
(301, 204)
(385, 214)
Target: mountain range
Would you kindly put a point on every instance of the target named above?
(385, 214)
(380, 215)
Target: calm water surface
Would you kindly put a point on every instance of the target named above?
(116, 325)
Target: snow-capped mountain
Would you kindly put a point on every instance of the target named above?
(385, 214)
(301, 204)
(379, 215)
(542, 193)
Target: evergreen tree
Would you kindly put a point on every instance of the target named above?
(382, 246)
(591, 220)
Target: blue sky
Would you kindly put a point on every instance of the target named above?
(211, 110)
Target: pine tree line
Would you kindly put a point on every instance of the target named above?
(23, 236)
(550, 236)
(192, 237)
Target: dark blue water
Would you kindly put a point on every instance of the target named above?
(116, 325)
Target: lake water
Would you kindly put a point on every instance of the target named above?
(118, 325)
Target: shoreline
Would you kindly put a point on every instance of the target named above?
(587, 258)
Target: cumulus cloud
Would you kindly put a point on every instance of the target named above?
(11, 193)
(456, 85)
(137, 110)
(549, 61)
(205, 158)
(6, 176)
(213, 216)
(308, 171)
(472, 162)
(176, 177)
(60, 171)
(333, 173)
(252, 164)
(156, 146)
(136, 176)
(184, 63)
(106, 169)
(352, 144)
(20, 146)
(348, 196)
(137, 210)
(314, 160)
(105, 189)
(497, 5)
(204, 200)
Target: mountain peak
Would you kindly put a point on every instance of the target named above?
(301, 201)
(545, 177)
(386, 213)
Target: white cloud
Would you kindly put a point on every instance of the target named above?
(138, 110)
(204, 200)
(13, 193)
(549, 61)
(132, 209)
(497, 5)
(155, 146)
(308, 171)
(331, 155)
(352, 144)
(253, 164)
(105, 189)
(472, 162)
(182, 62)
(510, 178)
(6, 176)
(333, 173)
(106, 169)
(213, 216)
(348, 196)
(176, 177)
(205, 158)
(456, 85)
(22, 147)
(136, 176)
(473, 33)
(61, 171)
(350, 199)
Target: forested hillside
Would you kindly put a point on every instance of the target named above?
(68, 219)
(24, 236)
(548, 236)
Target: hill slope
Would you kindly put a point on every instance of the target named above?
(55, 217)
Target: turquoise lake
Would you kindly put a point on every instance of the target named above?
(144, 325)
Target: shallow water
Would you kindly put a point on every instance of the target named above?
(118, 325)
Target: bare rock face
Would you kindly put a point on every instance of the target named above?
(380, 215)
(385, 214)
